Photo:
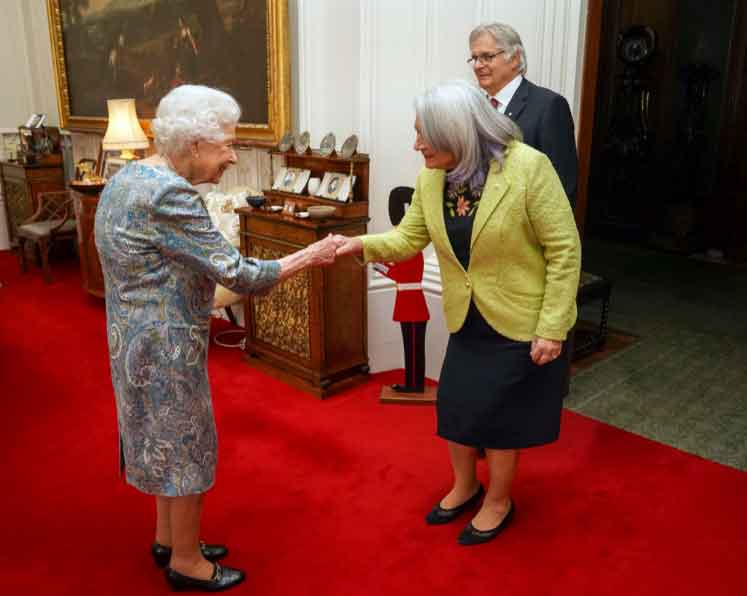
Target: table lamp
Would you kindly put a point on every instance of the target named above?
(123, 131)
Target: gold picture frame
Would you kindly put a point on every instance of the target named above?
(118, 63)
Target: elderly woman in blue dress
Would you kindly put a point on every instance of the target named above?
(162, 258)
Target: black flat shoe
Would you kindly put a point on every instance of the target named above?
(162, 554)
(438, 515)
(406, 389)
(224, 578)
(471, 536)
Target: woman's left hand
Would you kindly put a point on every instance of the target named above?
(545, 350)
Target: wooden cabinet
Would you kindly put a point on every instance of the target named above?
(90, 267)
(21, 186)
(311, 329)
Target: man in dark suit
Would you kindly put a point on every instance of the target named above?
(499, 61)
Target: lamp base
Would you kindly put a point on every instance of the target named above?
(127, 154)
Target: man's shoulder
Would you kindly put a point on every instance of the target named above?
(537, 92)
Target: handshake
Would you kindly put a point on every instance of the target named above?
(325, 251)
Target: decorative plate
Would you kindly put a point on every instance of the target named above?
(349, 147)
(327, 146)
(286, 142)
(301, 144)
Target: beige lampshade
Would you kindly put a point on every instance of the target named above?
(123, 131)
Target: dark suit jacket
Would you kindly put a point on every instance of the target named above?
(546, 121)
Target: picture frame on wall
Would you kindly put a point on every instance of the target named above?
(112, 49)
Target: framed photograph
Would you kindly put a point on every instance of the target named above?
(11, 143)
(35, 121)
(85, 168)
(142, 49)
(336, 186)
(112, 165)
(291, 180)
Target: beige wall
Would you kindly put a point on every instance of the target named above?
(26, 69)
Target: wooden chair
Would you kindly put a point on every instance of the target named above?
(54, 220)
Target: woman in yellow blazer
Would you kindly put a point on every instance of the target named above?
(510, 257)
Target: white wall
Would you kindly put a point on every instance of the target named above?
(356, 66)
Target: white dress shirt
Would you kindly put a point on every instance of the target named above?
(505, 95)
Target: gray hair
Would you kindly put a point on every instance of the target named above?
(191, 113)
(506, 38)
(457, 117)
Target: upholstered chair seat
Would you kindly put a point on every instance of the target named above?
(41, 229)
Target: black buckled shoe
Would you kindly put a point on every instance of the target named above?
(224, 578)
(438, 515)
(162, 554)
(471, 536)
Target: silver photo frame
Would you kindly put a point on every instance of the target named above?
(291, 180)
(336, 186)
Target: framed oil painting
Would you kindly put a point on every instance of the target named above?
(109, 49)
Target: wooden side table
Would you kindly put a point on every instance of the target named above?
(90, 266)
(21, 185)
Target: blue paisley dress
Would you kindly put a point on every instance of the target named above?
(161, 257)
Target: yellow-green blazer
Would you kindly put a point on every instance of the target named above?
(525, 254)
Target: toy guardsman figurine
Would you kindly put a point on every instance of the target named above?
(410, 308)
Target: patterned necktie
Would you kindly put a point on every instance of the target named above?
(495, 102)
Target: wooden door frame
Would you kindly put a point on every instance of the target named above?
(588, 104)
(736, 86)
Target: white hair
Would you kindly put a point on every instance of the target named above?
(190, 113)
(506, 38)
(457, 117)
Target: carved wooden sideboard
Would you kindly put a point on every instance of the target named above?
(21, 185)
(311, 329)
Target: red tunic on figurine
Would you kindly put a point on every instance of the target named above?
(409, 305)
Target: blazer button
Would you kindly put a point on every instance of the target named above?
(467, 284)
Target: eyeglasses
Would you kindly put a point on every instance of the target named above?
(484, 59)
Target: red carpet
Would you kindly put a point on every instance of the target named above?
(328, 498)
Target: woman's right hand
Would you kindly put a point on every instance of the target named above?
(347, 245)
(322, 252)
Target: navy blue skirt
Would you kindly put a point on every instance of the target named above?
(492, 395)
